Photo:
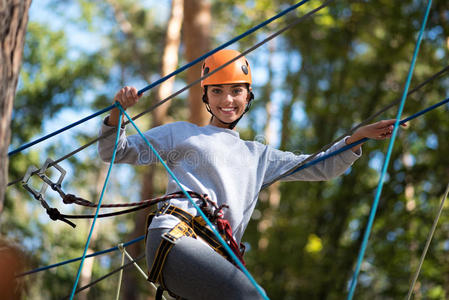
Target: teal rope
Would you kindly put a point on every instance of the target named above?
(98, 208)
(225, 245)
(387, 158)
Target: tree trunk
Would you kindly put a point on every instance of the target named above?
(13, 23)
(196, 36)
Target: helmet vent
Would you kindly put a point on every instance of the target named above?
(245, 69)
(206, 70)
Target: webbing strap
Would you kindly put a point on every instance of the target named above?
(168, 240)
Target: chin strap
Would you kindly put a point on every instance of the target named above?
(234, 123)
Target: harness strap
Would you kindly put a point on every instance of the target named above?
(168, 240)
(189, 226)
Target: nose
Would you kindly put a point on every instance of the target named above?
(228, 97)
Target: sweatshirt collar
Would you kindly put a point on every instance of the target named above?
(225, 130)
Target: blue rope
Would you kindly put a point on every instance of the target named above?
(313, 162)
(349, 146)
(99, 205)
(228, 43)
(225, 245)
(159, 81)
(79, 258)
(23, 147)
(387, 157)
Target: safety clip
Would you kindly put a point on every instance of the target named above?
(53, 213)
(56, 186)
(38, 195)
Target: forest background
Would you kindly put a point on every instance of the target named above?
(312, 84)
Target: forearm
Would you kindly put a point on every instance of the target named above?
(114, 117)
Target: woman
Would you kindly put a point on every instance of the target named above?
(213, 160)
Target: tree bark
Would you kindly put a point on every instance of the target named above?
(196, 36)
(13, 23)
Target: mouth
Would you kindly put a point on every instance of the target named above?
(228, 110)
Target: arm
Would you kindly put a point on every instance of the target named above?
(281, 162)
(131, 149)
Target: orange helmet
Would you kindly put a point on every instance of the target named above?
(236, 72)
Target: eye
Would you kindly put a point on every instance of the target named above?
(237, 91)
(216, 91)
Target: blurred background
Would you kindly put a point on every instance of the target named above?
(312, 83)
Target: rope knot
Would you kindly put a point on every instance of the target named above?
(69, 199)
(54, 214)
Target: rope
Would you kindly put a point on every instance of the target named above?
(120, 276)
(21, 148)
(366, 121)
(105, 276)
(426, 247)
(79, 258)
(69, 199)
(349, 146)
(388, 155)
(120, 246)
(159, 81)
(98, 208)
(124, 252)
(418, 87)
(154, 106)
(225, 245)
(112, 214)
(146, 203)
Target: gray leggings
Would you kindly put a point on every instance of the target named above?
(193, 270)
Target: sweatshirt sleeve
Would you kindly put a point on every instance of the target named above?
(280, 162)
(133, 149)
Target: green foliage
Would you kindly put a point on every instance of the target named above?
(321, 77)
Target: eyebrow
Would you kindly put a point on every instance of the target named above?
(223, 85)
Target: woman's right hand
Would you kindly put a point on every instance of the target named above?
(127, 96)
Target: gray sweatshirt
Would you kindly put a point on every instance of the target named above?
(215, 161)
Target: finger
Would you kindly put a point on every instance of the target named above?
(134, 93)
(385, 123)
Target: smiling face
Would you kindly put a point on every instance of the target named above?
(227, 102)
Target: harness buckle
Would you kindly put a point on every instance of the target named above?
(181, 229)
(170, 238)
(163, 210)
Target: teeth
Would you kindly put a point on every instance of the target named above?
(227, 109)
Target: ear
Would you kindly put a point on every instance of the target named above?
(250, 95)
(204, 98)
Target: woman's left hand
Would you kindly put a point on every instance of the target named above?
(377, 131)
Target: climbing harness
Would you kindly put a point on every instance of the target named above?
(208, 222)
(195, 227)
